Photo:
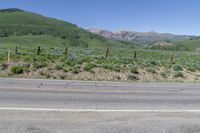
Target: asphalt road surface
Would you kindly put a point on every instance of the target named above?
(52, 106)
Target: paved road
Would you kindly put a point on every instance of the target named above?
(46, 106)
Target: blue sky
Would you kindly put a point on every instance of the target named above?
(172, 16)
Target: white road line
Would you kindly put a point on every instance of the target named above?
(97, 110)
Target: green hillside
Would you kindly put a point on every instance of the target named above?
(192, 45)
(22, 22)
(167, 46)
(26, 28)
(31, 41)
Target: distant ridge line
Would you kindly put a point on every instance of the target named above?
(11, 10)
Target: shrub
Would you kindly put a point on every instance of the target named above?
(79, 61)
(108, 66)
(75, 70)
(71, 61)
(26, 67)
(78, 66)
(116, 68)
(62, 77)
(151, 70)
(150, 63)
(191, 68)
(63, 37)
(4, 66)
(17, 69)
(178, 68)
(89, 66)
(112, 67)
(87, 59)
(59, 66)
(154, 62)
(66, 69)
(179, 74)
(127, 60)
(134, 69)
(38, 65)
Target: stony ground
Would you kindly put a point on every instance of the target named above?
(143, 75)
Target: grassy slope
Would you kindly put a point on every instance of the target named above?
(192, 44)
(50, 41)
(20, 23)
(31, 41)
(25, 19)
(186, 45)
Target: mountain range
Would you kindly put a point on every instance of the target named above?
(139, 37)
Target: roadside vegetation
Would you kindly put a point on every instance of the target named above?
(99, 64)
